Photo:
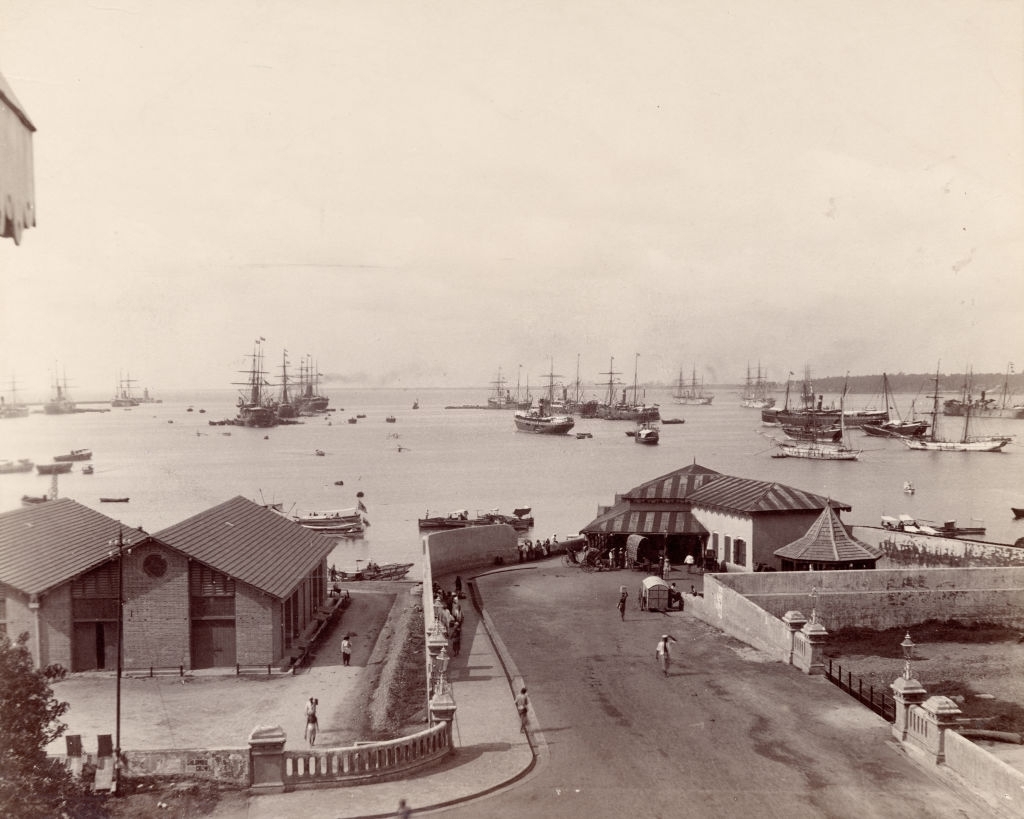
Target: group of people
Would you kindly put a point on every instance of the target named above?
(448, 610)
(529, 550)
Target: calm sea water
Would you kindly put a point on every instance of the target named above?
(172, 465)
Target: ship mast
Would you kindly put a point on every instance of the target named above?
(611, 381)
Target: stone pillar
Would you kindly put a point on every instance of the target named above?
(942, 713)
(795, 621)
(906, 692)
(266, 759)
(815, 634)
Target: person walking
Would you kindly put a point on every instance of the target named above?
(456, 639)
(458, 586)
(522, 706)
(311, 721)
(623, 594)
(346, 650)
(404, 811)
(663, 654)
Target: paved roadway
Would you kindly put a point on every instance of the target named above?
(726, 734)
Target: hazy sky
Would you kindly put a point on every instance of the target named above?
(417, 193)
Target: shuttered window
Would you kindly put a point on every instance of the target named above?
(212, 593)
(101, 582)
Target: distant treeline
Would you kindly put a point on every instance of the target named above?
(910, 383)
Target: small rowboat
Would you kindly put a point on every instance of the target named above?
(1017, 512)
(113, 500)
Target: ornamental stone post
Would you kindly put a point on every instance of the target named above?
(907, 692)
(266, 759)
(795, 621)
(942, 713)
(815, 634)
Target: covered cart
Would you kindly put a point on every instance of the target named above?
(654, 594)
(640, 553)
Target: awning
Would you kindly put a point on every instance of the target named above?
(17, 185)
(622, 519)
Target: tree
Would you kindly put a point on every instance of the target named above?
(31, 784)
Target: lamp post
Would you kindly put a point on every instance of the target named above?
(908, 654)
(120, 543)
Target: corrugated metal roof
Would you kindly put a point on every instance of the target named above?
(628, 519)
(828, 541)
(47, 544)
(675, 486)
(751, 496)
(251, 543)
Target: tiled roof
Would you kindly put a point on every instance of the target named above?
(47, 544)
(251, 543)
(751, 496)
(828, 541)
(675, 486)
(625, 518)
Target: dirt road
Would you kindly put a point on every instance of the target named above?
(725, 734)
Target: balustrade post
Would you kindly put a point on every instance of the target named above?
(816, 635)
(266, 759)
(795, 621)
(942, 713)
(907, 692)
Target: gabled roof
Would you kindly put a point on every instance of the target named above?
(626, 518)
(752, 496)
(251, 543)
(47, 544)
(828, 541)
(675, 486)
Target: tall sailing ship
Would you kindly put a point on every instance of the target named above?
(13, 408)
(820, 450)
(60, 403)
(692, 393)
(618, 407)
(255, 408)
(123, 394)
(307, 399)
(813, 411)
(501, 396)
(985, 406)
(967, 442)
(894, 424)
(542, 419)
(755, 391)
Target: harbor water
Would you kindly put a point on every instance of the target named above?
(172, 464)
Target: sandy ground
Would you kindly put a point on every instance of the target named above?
(214, 709)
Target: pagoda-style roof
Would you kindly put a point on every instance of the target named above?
(828, 541)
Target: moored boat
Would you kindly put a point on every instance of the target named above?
(692, 393)
(815, 450)
(540, 420)
(1018, 512)
(755, 391)
(114, 500)
(647, 433)
(967, 442)
(30, 500)
(985, 406)
(255, 409)
(123, 394)
(520, 519)
(12, 408)
(75, 455)
(894, 424)
(385, 571)
(11, 467)
(61, 403)
(56, 468)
